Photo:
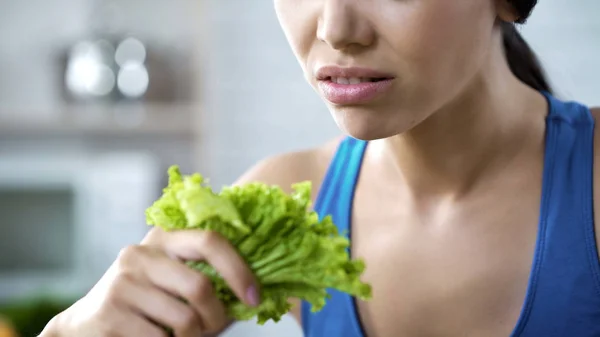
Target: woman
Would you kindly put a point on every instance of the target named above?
(472, 203)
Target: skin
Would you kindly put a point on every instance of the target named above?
(451, 142)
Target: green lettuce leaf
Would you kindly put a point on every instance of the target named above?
(292, 252)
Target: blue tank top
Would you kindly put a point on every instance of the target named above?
(563, 294)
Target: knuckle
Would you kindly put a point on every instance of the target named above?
(124, 280)
(199, 289)
(119, 285)
(154, 236)
(210, 239)
(129, 254)
(185, 320)
(106, 314)
(218, 322)
(113, 295)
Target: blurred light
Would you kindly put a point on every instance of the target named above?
(133, 80)
(81, 74)
(85, 76)
(105, 81)
(130, 51)
(86, 72)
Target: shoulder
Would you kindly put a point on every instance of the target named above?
(292, 167)
(596, 116)
(595, 112)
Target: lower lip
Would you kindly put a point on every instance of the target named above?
(348, 94)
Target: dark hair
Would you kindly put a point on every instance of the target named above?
(521, 59)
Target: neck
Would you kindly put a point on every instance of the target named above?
(476, 134)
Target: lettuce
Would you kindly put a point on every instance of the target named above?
(292, 252)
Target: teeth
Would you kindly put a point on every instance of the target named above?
(352, 80)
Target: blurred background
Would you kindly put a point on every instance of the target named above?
(98, 98)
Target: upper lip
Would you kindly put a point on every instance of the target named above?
(327, 72)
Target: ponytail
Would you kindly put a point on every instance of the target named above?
(522, 60)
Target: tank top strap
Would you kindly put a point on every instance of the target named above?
(568, 162)
(338, 318)
(337, 189)
(564, 292)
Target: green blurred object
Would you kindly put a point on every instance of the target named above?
(29, 317)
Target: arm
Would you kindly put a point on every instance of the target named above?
(113, 312)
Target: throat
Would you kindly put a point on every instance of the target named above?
(453, 151)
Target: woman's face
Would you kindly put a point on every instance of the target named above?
(384, 66)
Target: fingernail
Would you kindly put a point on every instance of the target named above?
(252, 296)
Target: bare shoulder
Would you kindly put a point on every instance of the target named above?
(292, 167)
(289, 168)
(595, 112)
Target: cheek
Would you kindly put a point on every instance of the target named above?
(298, 20)
(439, 41)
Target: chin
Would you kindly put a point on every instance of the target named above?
(365, 134)
(366, 124)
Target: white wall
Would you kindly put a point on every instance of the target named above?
(566, 35)
(29, 37)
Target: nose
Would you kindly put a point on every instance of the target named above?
(342, 26)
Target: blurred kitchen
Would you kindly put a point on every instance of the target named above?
(99, 97)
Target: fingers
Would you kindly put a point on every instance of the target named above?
(189, 284)
(215, 250)
(127, 323)
(159, 307)
(149, 288)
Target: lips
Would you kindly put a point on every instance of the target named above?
(353, 80)
(333, 72)
(351, 86)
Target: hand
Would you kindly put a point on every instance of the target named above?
(142, 291)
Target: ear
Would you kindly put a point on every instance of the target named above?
(506, 11)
